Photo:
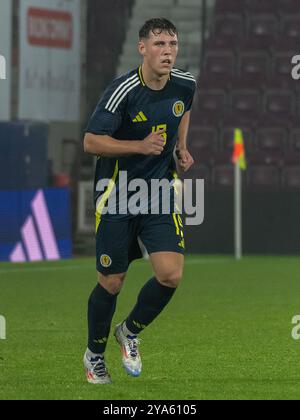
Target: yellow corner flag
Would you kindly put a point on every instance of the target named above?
(239, 149)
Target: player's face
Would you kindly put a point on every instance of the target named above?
(160, 51)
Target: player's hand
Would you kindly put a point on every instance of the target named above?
(185, 159)
(154, 143)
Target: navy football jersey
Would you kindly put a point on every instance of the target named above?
(130, 110)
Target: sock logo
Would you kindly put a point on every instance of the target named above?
(138, 325)
(105, 261)
(101, 340)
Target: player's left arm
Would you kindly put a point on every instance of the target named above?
(185, 159)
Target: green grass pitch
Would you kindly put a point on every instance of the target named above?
(225, 335)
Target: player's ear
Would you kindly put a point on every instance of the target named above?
(142, 48)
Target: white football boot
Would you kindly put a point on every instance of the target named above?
(96, 371)
(131, 358)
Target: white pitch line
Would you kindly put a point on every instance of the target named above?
(92, 267)
(208, 261)
(44, 269)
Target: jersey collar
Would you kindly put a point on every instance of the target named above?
(140, 74)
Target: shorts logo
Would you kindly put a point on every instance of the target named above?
(105, 261)
(178, 109)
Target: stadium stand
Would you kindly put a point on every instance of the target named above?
(186, 15)
(245, 82)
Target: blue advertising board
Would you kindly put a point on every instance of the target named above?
(23, 156)
(35, 225)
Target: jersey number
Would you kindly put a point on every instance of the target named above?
(161, 127)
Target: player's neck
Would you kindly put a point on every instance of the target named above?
(153, 80)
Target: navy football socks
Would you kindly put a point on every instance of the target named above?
(151, 301)
(101, 309)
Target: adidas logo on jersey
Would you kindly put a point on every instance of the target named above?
(141, 117)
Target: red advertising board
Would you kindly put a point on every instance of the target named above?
(49, 28)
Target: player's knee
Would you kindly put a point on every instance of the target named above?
(113, 283)
(170, 278)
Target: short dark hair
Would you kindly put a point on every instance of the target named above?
(157, 25)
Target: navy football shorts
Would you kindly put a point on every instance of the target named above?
(117, 241)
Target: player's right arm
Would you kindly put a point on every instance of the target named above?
(107, 119)
(107, 146)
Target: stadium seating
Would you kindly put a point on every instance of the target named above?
(288, 6)
(279, 101)
(203, 139)
(292, 157)
(281, 63)
(230, 6)
(212, 100)
(290, 26)
(273, 139)
(260, 6)
(265, 158)
(246, 83)
(220, 62)
(254, 63)
(246, 101)
(294, 141)
(291, 177)
(213, 82)
(200, 117)
(262, 25)
(264, 177)
(222, 156)
(257, 6)
(230, 26)
(223, 177)
(220, 43)
(238, 120)
(272, 119)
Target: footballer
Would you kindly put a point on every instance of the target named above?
(141, 119)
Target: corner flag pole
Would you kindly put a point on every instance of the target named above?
(239, 162)
(238, 211)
